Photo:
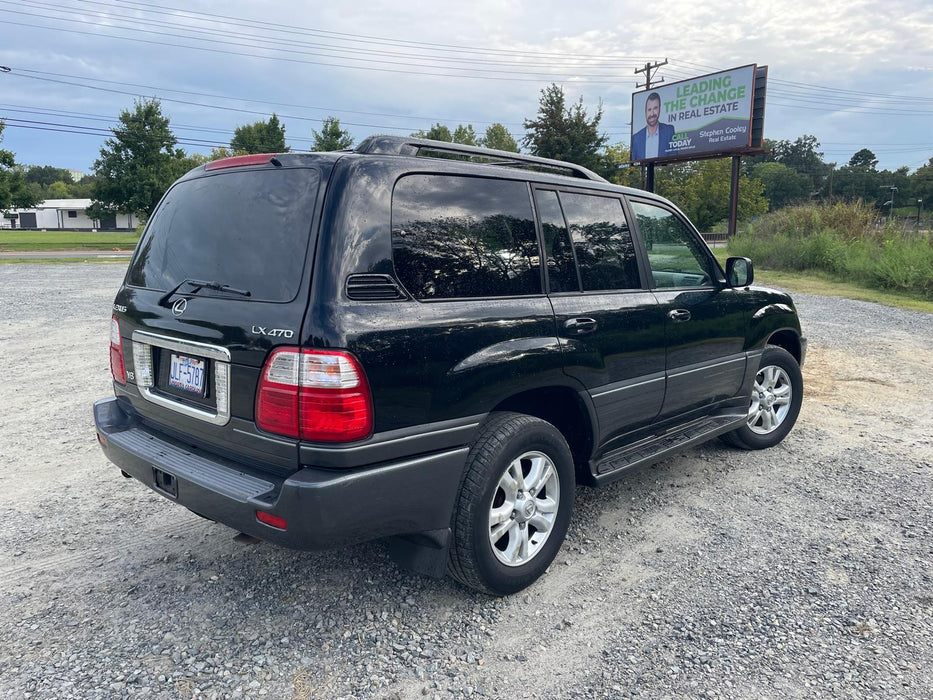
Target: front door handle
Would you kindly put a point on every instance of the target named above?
(580, 326)
(679, 315)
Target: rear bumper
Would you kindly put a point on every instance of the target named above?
(322, 507)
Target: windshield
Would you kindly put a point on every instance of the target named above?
(248, 229)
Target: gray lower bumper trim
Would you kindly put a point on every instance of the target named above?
(191, 467)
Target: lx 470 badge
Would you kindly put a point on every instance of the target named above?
(273, 332)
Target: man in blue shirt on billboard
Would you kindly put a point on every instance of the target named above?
(655, 139)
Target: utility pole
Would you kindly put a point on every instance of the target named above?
(649, 70)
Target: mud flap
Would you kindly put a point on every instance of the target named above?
(422, 553)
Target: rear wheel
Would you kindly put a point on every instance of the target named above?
(775, 402)
(514, 504)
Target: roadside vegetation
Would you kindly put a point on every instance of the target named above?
(835, 223)
(66, 240)
(846, 243)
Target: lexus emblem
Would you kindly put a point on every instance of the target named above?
(178, 308)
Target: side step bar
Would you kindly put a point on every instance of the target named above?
(657, 447)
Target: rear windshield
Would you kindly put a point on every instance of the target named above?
(248, 229)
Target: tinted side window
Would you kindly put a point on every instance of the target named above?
(562, 273)
(464, 237)
(602, 241)
(676, 257)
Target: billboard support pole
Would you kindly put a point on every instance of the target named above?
(649, 170)
(734, 195)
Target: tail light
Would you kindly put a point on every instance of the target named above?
(319, 395)
(117, 365)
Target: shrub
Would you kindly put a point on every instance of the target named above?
(842, 239)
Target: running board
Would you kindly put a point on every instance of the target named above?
(657, 447)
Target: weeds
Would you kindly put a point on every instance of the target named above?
(844, 240)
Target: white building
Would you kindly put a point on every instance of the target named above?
(68, 214)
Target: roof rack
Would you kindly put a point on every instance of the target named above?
(410, 146)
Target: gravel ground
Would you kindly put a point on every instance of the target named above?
(799, 572)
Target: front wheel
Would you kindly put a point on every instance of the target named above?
(775, 402)
(514, 504)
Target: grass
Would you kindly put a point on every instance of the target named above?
(823, 284)
(826, 285)
(66, 240)
(59, 261)
(847, 243)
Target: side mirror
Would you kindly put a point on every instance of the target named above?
(740, 272)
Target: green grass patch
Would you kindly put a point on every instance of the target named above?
(66, 240)
(844, 243)
(59, 261)
(828, 285)
(823, 284)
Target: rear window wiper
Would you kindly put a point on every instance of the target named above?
(201, 284)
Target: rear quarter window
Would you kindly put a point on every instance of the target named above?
(248, 229)
(462, 237)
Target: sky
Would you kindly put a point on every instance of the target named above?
(855, 75)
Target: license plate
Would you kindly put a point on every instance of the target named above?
(187, 374)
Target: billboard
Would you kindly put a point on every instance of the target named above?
(701, 116)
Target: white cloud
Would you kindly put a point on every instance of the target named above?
(592, 49)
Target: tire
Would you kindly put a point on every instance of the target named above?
(775, 402)
(502, 538)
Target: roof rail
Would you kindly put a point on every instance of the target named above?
(412, 146)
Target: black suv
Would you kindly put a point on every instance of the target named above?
(432, 343)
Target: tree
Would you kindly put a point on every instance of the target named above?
(782, 185)
(498, 137)
(465, 135)
(617, 161)
(45, 175)
(438, 132)
(14, 190)
(922, 185)
(565, 133)
(886, 179)
(138, 164)
(767, 145)
(331, 137)
(701, 189)
(864, 159)
(84, 188)
(260, 137)
(804, 156)
(860, 179)
(59, 190)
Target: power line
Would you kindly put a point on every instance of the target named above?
(821, 88)
(860, 110)
(176, 127)
(216, 96)
(83, 131)
(461, 72)
(207, 106)
(252, 37)
(364, 38)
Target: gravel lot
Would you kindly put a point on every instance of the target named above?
(800, 572)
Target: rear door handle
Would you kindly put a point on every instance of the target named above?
(580, 326)
(679, 315)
